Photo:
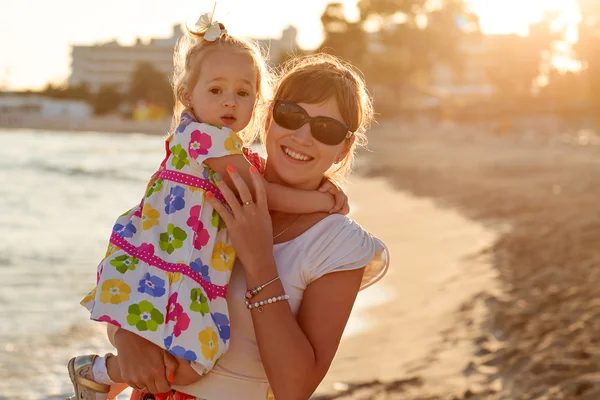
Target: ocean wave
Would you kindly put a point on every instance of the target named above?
(79, 171)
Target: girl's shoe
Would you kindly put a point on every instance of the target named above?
(80, 372)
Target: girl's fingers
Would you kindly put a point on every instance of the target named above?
(328, 187)
(345, 210)
(338, 203)
(240, 185)
(220, 208)
(259, 187)
(228, 194)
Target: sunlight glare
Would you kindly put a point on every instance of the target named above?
(514, 16)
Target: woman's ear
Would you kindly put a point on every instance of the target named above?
(346, 148)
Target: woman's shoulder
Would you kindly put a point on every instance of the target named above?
(338, 243)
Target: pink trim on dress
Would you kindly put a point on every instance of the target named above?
(191, 180)
(212, 291)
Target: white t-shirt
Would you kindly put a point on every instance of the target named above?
(333, 244)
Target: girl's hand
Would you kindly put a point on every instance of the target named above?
(341, 199)
(142, 363)
(249, 223)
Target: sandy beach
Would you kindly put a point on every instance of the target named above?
(531, 332)
(435, 268)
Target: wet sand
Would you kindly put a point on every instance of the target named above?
(435, 267)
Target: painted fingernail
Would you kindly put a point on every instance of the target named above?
(253, 169)
(230, 168)
(217, 177)
(209, 195)
(171, 377)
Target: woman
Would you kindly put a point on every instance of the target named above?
(285, 346)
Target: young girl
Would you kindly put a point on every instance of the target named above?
(170, 258)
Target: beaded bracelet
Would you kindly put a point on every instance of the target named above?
(253, 292)
(259, 304)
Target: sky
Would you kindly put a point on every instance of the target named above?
(36, 35)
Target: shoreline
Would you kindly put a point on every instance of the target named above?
(93, 125)
(415, 342)
(540, 189)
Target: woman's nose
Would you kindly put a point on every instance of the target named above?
(303, 135)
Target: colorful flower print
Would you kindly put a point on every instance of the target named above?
(182, 322)
(179, 351)
(154, 187)
(146, 248)
(144, 316)
(200, 142)
(175, 313)
(152, 285)
(217, 221)
(222, 323)
(210, 343)
(198, 266)
(106, 318)
(128, 211)
(173, 277)
(90, 296)
(114, 291)
(172, 239)
(194, 217)
(111, 249)
(223, 257)
(201, 235)
(149, 216)
(124, 263)
(233, 143)
(180, 159)
(199, 301)
(125, 231)
(185, 121)
(172, 307)
(174, 201)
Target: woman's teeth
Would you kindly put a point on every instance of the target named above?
(295, 155)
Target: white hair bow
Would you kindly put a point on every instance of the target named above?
(212, 30)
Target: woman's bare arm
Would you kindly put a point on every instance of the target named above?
(297, 352)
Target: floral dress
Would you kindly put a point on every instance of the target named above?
(169, 260)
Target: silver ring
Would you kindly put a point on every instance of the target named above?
(247, 203)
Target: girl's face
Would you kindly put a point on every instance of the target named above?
(225, 94)
(295, 157)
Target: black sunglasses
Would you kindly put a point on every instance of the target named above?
(326, 130)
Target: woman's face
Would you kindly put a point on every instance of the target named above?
(294, 157)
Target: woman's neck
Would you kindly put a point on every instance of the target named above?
(271, 176)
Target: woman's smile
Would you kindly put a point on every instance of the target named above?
(296, 155)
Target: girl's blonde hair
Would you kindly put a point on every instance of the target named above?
(189, 53)
(316, 78)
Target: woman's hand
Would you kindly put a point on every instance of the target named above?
(142, 363)
(249, 223)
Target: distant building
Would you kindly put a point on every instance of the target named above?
(113, 64)
(276, 48)
(20, 106)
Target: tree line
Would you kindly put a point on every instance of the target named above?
(398, 43)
